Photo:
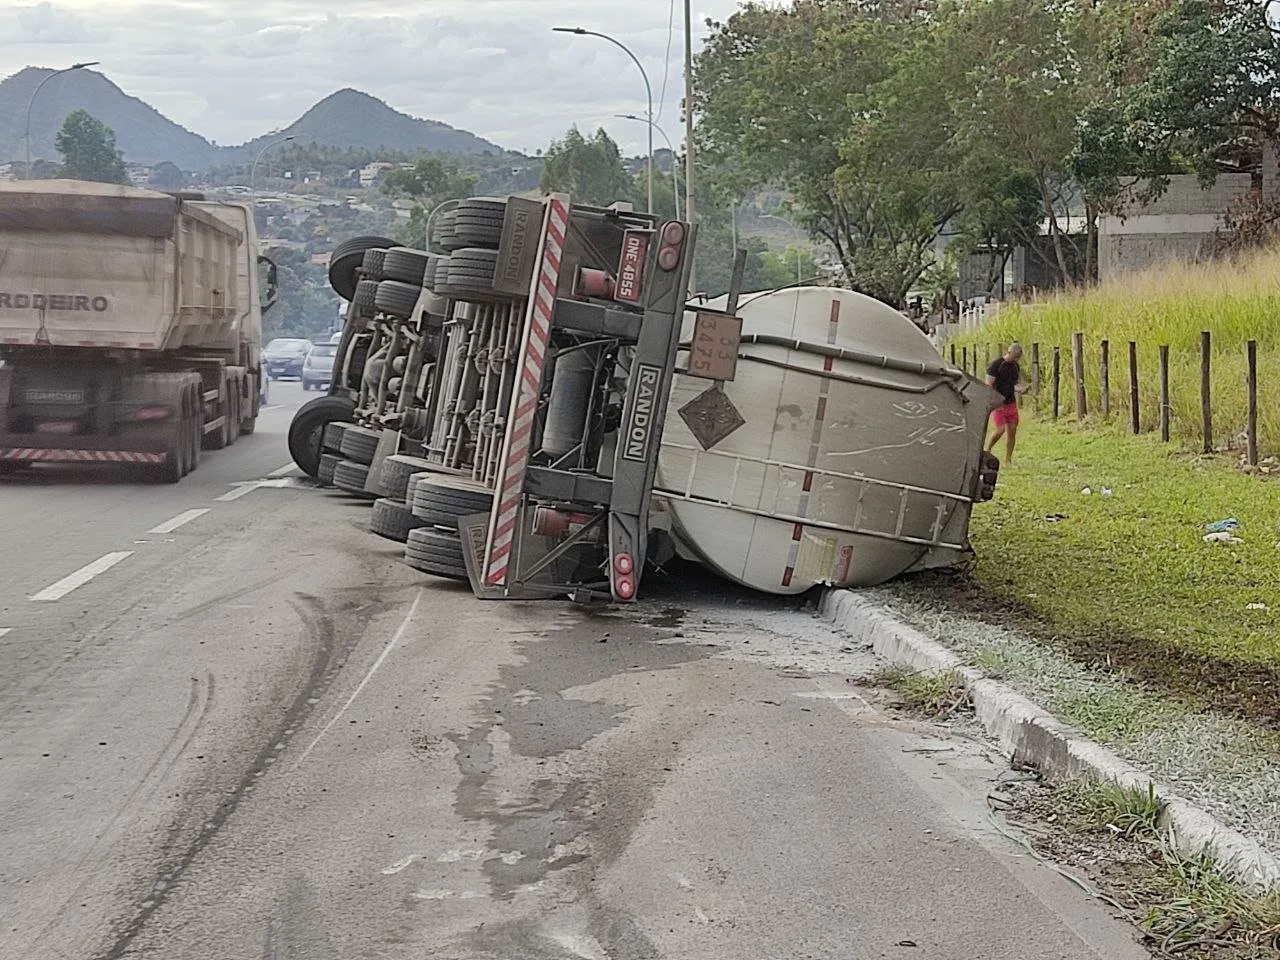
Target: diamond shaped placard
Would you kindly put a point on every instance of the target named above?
(711, 416)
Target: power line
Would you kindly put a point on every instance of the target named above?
(666, 61)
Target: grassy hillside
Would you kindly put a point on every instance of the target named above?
(1234, 301)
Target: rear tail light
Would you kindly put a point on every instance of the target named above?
(624, 581)
(624, 564)
(151, 413)
(672, 243)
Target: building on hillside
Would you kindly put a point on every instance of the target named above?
(370, 173)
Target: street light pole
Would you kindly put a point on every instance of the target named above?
(32, 102)
(688, 129)
(675, 163)
(647, 88)
(253, 170)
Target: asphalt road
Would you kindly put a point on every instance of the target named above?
(234, 725)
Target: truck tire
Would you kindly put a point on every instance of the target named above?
(406, 265)
(397, 298)
(250, 423)
(351, 477)
(366, 293)
(479, 221)
(392, 520)
(442, 500)
(360, 444)
(435, 552)
(306, 430)
(328, 461)
(347, 259)
(443, 235)
(469, 275)
(372, 264)
(333, 432)
(232, 420)
(429, 271)
(396, 473)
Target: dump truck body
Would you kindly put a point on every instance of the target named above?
(130, 324)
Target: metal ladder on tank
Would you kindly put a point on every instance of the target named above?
(910, 497)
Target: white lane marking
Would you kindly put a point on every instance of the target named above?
(240, 490)
(180, 520)
(284, 471)
(5, 631)
(386, 652)
(57, 591)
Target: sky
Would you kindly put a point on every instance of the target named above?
(232, 70)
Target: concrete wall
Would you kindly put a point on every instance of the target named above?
(1178, 226)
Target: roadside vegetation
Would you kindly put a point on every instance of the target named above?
(1121, 576)
(1235, 300)
(1108, 840)
(936, 694)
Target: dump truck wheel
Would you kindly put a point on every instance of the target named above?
(397, 297)
(392, 520)
(348, 258)
(351, 477)
(360, 444)
(306, 431)
(324, 473)
(433, 551)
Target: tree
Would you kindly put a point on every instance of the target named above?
(167, 176)
(88, 148)
(428, 183)
(590, 171)
(783, 97)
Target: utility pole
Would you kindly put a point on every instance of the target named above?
(689, 209)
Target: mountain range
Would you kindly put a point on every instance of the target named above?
(346, 118)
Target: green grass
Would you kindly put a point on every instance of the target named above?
(1132, 566)
(1235, 302)
(1126, 812)
(934, 694)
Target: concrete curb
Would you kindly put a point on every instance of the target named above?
(1034, 737)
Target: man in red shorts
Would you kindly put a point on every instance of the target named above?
(1003, 375)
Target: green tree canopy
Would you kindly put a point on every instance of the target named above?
(429, 182)
(88, 148)
(591, 171)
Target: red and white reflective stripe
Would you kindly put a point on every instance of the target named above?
(815, 445)
(524, 402)
(79, 456)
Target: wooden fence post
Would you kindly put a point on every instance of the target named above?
(1251, 425)
(1106, 378)
(1057, 381)
(1035, 368)
(1164, 393)
(1206, 407)
(1135, 419)
(953, 354)
(1077, 366)
(964, 359)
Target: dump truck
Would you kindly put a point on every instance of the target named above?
(130, 325)
(534, 406)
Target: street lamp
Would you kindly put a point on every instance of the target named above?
(675, 163)
(32, 102)
(771, 216)
(253, 170)
(647, 88)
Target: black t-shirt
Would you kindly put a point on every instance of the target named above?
(1006, 376)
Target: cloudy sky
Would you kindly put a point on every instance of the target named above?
(234, 69)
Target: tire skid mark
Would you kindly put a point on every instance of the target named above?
(327, 658)
(199, 703)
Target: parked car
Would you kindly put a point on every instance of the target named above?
(317, 368)
(284, 357)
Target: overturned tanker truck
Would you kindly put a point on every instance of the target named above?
(534, 406)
